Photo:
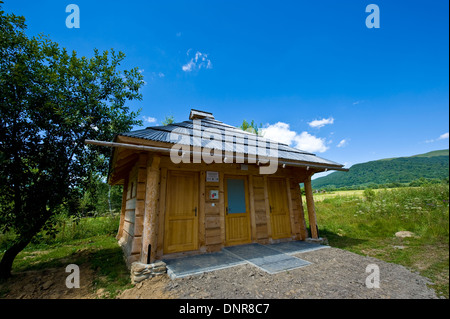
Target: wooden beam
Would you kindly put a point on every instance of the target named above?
(122, 172)
(149, 234)
(123, 208)
(201, 210)
(311, 208)
(302, 221)
(123, 161)
(162, 212)
(267, 205)
(252, 207)
(290, 206)
(222, 206)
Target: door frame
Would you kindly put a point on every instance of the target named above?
(166, 213)
(288, 212)
(247, 209)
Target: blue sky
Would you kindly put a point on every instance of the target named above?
(310, 71)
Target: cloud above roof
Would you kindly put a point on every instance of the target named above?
(321, 123)
(199, 61)
(304, 141)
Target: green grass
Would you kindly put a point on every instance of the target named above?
(361, 222)
(87, 241)
(366, 223)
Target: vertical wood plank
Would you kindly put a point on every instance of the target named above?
(222, 207)
(252, 207)
(162, 211)
(123, 208)
(201, 210)
(290, 207)
(267, 204)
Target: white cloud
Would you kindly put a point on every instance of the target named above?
(149, 119)
(321, 123)
(443, 136)
(310, 143)
(282, 133)
(188, 67)
(199, 61)
(279, 132)
(343, 143)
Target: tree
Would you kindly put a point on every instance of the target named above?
(168, 120)
(251, 127)
(50, 102)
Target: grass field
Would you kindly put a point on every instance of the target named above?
(358, 221)
(318, 197)
(366, 223)
(89, 243)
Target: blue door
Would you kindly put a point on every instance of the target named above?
(237, 216)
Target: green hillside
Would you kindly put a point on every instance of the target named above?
(432, 165)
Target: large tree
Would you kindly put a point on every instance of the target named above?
(50, 102)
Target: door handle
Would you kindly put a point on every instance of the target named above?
(195, 209)
(227, 210)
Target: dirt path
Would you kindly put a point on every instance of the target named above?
(49, 284)
(334, 273)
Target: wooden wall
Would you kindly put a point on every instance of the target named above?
(211, 211)
(128, 217)
(132, 229)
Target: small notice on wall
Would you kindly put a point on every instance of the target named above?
(212, 176)
(214, 194)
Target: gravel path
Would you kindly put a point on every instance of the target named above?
(334, 273)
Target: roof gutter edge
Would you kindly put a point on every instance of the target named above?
(166, 150)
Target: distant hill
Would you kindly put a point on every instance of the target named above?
(431, 165)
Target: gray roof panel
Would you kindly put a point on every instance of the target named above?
(230, 139)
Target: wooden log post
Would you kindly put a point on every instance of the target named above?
(123, 208)
(161, 212)
(311, 208)
(303, 230)
(150, 231)
(294, 230)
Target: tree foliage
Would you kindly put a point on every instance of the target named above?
(251, 127)
(50, 102)
(168, 120)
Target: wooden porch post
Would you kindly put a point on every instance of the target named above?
(149, 233)
(123, 208)
(311, 208)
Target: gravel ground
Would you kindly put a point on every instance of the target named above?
(334, 273)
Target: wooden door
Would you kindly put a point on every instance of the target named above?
(237, 213)
(279, 208)
(181, 217)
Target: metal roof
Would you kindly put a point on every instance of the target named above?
(213, 134)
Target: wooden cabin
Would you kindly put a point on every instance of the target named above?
(172, 207)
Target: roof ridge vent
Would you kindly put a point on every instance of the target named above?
(197, 114)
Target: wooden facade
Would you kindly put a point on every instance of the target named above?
(169, 207)
(172, 209)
